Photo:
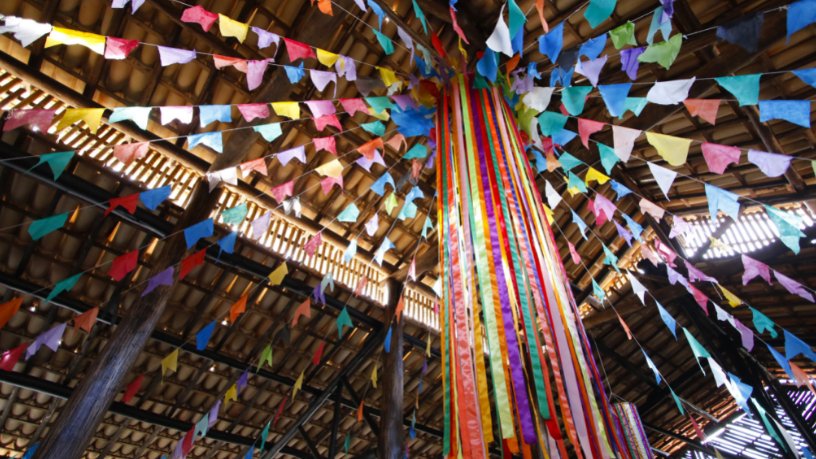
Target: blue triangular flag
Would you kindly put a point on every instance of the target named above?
(614, 96)
(152, 198)
(619, 188)
(795, 346)
(719, 199)
(807, 75)
(387, 343)
(379, 185)
(550, 44)
(793, 111)
(295, 74)
(209, 113)
(563, 137)
(593, 47)
(203, 336)
(800, 15)
(667, 319)
(269, 131)
(200, 230)
(488, 65)
(212, 139)
(227, 243)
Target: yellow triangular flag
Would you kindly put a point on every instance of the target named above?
(733, 300)
(289, 110)
(549, 213)
(326, 58)
(60, 36)
(595, 175)
(298, 385)
(169, 363)
(673, 149)
(462, 50)
(91, 116)
(717, 244)
(333, 168)
(382, 116)
(231, 395)
(232, 28)
(374, 377)
(428, 347)
(276, 276)
(388, 76)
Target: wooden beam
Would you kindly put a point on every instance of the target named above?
(391, 430)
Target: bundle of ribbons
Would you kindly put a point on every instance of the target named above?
(508, 317)
(632, 428)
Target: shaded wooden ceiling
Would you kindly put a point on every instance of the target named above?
(74, 77)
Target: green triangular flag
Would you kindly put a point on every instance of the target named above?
(598, 11)
(64, 285)
(608, 157)
(677, 402)
(623, 35)
(385, 42)
(264, 434)
(235, 215)
(551, 122)
(598, 291)
(266, 357)
(575, 182)
(696, 348)
(664, 53)
(390, 203)
(610, 258)
(763, 323)
(343, 320)
(347, 441)
(421, 16)
(516, 18)
(416, 152)
(39, 228)
(56, 161)
(375, 127)
(789, 232)
(744, 87)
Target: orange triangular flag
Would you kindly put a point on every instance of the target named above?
(86, 320)
(8, 309)
(237, 308)
(801, 377)
(400, 307)
(360, 412)
(325, 7)
(706, 109)
(305, 309)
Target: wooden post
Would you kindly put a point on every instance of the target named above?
(76, 425)
(391, 428)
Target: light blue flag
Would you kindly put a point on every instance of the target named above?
(428, 226)
(634, 226)
(696, 348)
(619, 188)
(235, 215)
(667, 319)
(744, 87)
(350, 251)
(40, 228)
(551, 43)
(139, 115)
(719, 199)
(614, 96)
(634, 105)
(569, 162)
(763, 323)
(741, 393)
(64, 285)
(540, 161)
(227, 243)
(593, 47)
(202, 426)
(269, 131)
(800, 15)
(203, 337)
(152, 198)
(379, 103)
(418, 151)
(610, 259)
(408, 211)
(378, 11)
(213, 140)
(57, 162)
(598, 11)
(807, 75)
(209, 113)
(582, 227)
(792, 111)
(349, 214)
(597, 291)
(385, 42)
(516, 18)
(551, 122)
(375, 128)
(421, 16)
(574, 98)
(659, 22)
(573, 181)
(608, 157)
(414, 194)
(197, 231)
(563, 137)
(652, 366)
(295, 74)
(789, 232)
(379, 185)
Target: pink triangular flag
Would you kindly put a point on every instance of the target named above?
(718, 157)
(327, 183)
(699, 297)
(119, 48)
(321, 107)
(255, 73)
(312, 244)
(36, 118)
(325, 143)
(588, 127)
(327, 120)
(127, 152)
(352, 106)
(253, 111)
(197, 14)
(576, 258)
(257, 165)
(281, 192)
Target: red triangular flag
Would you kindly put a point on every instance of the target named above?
(297, 50)
(706, 109)
(697, 429)
(11, 357)
(123, 264)
(305, 309)
(358, 289)
(586, 128)
(437, 44)
(399, 308)
(126, 202)
(279, 412)
(187, 443)
(8, 309)
(190, 262)
(318, 353)
(132, 388)
(237, 308)
(86, 320)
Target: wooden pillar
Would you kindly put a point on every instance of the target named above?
(391, 428)
(76, 425)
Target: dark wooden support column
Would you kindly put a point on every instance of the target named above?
(335, 424)
(391, 430)
(309, 442)
(790, 408)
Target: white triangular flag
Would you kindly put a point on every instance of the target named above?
(669, 92)
(624, 139)
(637, 287)
(664, 177)
(553, 198)
(499, 40)
(538, 98)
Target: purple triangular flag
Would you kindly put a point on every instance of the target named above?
(163, 278)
